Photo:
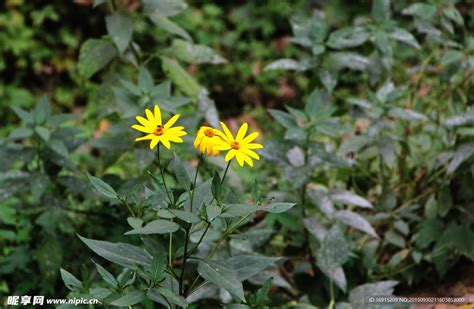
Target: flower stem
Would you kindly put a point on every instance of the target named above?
(162, 174)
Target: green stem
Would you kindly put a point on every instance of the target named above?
(194, 183)
(162, 174)
(331, 293)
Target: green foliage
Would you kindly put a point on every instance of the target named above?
(364, 185)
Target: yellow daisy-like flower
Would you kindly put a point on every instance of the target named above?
(157, 132)
(241, 146)
(209, 140)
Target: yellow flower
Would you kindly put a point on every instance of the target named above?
(241, 146)
(157, 132)
(208, 140)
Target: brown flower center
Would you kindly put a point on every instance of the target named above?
(209, 133)
(159, 130)
(235, 145)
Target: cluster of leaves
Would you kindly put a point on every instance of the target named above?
(378, 155)
(398, 135)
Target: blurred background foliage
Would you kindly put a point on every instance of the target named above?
(365, 108)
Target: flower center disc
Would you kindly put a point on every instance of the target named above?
(158, 131)
(209, 133)
(235, 145)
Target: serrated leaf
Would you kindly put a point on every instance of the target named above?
(421, 10)
(407, 114)
(358, 295)
(119, 253)
(402, 35)
(169, 26)
(120, 29)
(158, 226)
(164, 7)
(222, 276)
(429, 231)
(238, 210)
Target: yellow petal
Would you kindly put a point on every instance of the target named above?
(150, 117)
(242, 131)
(240, 158)
(248, 160)
(230, 155)
(228, 136)
(146, 137)
(165, 142)
(175, 139)
(154, 142)
(254, 146)
(145, 122)
(172, 121)
(143, 129)
(251, 153)
(250, 138)
(157, 115)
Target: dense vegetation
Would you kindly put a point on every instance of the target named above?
(363, 185)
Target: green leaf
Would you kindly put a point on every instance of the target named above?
(167, 25)
(318, 106)
(277, 208)
(347, 197)
(347, 60)
(464, 152)
(20, 133)
(381, 10)
(102, 187)
(453, 14)
(106, 275)
(212, 211)
(460, 120)
(186, 216)
(120, 29)
(356, 221)
(422, 10)
(42, 110)
(129, 299)
(248, 266)
(70, 281)
(238, 210)
(43, 133)
(180, 77)
(58, 147)
(222, 276)
(158, 266)
(180, 172)
(334, 251)
(164, 7)
(402, 35)
(216, 187)
(358, 295)
(119, 253)
(429, 231)
(285, 119)
(395, 239)
(135, 222)
(94, 55)
(287, 64)
(145, 80)
(348, 37)
(193, 53)
(172, 297)
(158, 226)
(26, 117)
